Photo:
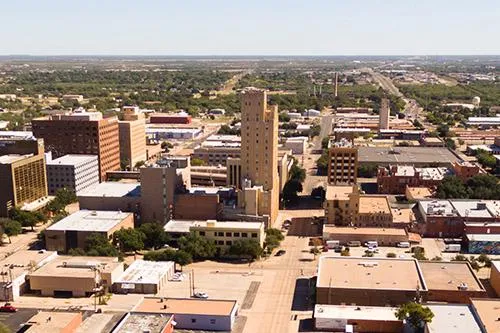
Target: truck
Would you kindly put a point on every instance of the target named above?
(331, 244)
(452, 248)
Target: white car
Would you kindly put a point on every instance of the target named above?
(177, 277)
(201, 294)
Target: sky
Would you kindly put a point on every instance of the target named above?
(250, 27)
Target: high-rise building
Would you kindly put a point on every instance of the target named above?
(342, 163)
(22, 174)
(73, 172)
(132, 131)
(81, 132)
(259, 154)
(384, 114)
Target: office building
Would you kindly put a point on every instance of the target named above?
(72, 231)
(165, 118)
(72, 276)
(192, 313)
(343, 163)
(259, 155)
(22, 175)
(226, 233)
(385, 112)
(132, 133)
(81, 132)
(73, 172)
(144, 277)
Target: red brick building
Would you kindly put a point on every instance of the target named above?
(396, 178)
(164, 118)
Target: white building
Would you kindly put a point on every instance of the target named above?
(297, 145)
(74, 172)
(144, 277)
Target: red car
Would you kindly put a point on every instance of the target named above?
(7, 308)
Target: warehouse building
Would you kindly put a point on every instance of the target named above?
(72, 231)
(416, 156)
(144, 277)
(72, 276)
(483, 243)
(384, 236)
(145, 322)
(191, 313)
(368, 281)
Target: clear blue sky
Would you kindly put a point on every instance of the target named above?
(249, 27)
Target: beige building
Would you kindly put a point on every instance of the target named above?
(495, 276)
(22, 175)
(132, 132)
(72, 231)
(343, 163)
(384, 236)
(259, 155)
(337, 204)
(385, 112)
(53, 322)
(72, 276)
(226, 233)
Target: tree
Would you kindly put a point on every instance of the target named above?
(290, 190)
(273, 238)
(443, 130)
(197, 162)
(283, 117)
(27, 219)
(129, 240)
(296, 172)
(139, 164)
(415, 314)
(484, 186)
(66, 196)
(198, 247)
(325, 142)
(97, 245)
(318, 192)
(452, 188)
(246, 248)
(367, 170)
(11, 227)
(419, 253)
(180, 257)
(486, 160)
(155, 235)
(450, 143)
(322, 163)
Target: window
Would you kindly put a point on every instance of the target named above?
(220, 234)
(244, 234)
(236, 234)
(228, 234)
(212, 321)
(193, 320)
(202, 233)
(254, 235)
(220, 242)
(229, 243)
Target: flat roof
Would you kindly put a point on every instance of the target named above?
(11, 158)
(178, 226)
(76, 266)
(90, 220)
(347, 312)
(228, 225)
(402, 215)
(369, 204)
(147, 272)
(208, 190)
(143, 322)
(483, 237)
(406, 155)
(470, 208)
(488, 310)
(210, 307)
(338, 192)
(363, 231)
(113, 189)
(440, 275)
(456, 318)
(437, 207)
(72, 160)
(57, 323)
(369, 273)
(23, 261)
(419, 192)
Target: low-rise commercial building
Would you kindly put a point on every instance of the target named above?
(384, 236)
(368, 281)
(297, 145)
(495, 276)
(486, 311)
(73, 172)
(483, 243)
(465, 170)
(72, 231)
(457, 318)
(226, 233)
(430, 141)
(144, 277)
(337, 204)
(396, 178)
(191, 313)
(367, 319)
(164, 133)
(53, 322)
(165, 118)
(416, 156)
(16, 267)
(73, 276)
(417, 193)
(113, 196)
(451, 282)
(146, 322)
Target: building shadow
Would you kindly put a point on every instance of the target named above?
(306, 325)
(302, 295)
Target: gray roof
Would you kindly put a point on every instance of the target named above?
(113, 189)
(406, 155)
(456, 318)
(90, 220)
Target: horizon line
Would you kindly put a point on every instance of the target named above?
(244, 55)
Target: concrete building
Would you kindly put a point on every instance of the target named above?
(395, 178)
(73, 172)
(226, 233)
(368, 281)
(132, 133)
(72, 276)
(385, 111)
(81, 132)
(216, 153)
(22, 175)
(451, 282)
(145, 322)
(416, 156)
(208, 205)
(144, 277)
(495, 276)
(483, 243)
(165, 118)
(298, 145)
(384, 237)
(337, 204)
(343, 163)
(162, 132)
(364, 319)
(259, 155)
(15, 268)
(430, 141)
(112, 196)
(457, 318)
(209, 176)
(72, 231)
(72, 97)
(486, 311)
(53, 322)
(192, 313)
(159, 184)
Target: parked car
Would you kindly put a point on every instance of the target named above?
(7, 307)
(371, 244)
(404, 244)
(353, 243)
(338, 248)
(280, 253)
(201, 294)
(177, 277)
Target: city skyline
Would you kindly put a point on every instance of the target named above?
(256, 28)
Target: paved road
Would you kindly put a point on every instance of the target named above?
(385, 82)
(326, 130)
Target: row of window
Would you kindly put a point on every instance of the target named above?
(230, 234)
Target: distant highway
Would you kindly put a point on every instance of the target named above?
(326, 130)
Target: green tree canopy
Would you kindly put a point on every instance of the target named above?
(155, 235)
(452, 188)
(11, 227)
(415, 314)
(197, 162)
(180, 257)
(129, 239)
(198, 247)
(98, 245)
(290, 190)
(246, 248)
(296, 172)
